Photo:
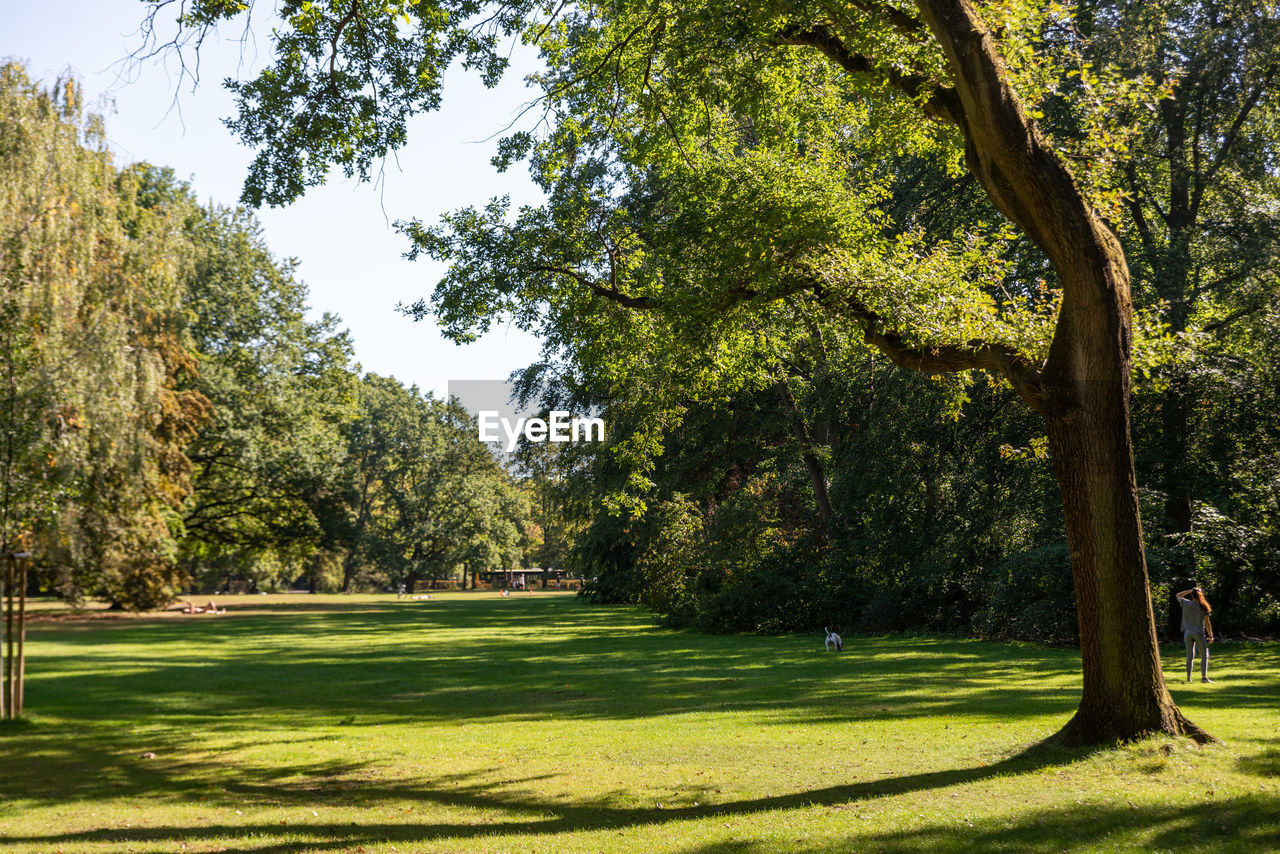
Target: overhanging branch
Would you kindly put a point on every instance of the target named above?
(976, 355)
(609, 293)
(939, 102)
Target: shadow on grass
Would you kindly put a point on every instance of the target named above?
(110, 691)
(1265, 764)
(1244, 824)
(1248, 823)
(505, 664)
(521, 812)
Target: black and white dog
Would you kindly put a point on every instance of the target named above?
(833, 640)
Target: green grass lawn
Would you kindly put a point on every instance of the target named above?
(473, 723)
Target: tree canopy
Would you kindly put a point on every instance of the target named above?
(172, 419)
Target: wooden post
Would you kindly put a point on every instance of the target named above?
(22, 638)
(13, 599)
(8, 635)
(4, 636)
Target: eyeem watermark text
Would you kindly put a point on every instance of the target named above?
(563, 426)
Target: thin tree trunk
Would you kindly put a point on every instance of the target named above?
(362, 519)
(22, 641)
(4, 635)
(1176, 525)
(817, 476)
(1173, 283)
(348, 569)
(9, 668)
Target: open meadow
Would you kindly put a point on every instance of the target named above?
(475, 723)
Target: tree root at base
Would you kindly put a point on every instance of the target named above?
(1081, 732)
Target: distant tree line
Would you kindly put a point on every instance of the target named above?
(170, 419)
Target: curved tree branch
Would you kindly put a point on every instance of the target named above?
(939, 102)
(974, 355)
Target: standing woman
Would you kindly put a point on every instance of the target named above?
(1196, 628)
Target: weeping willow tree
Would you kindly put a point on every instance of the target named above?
(92, 425)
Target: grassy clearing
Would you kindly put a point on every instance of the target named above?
(472, 723)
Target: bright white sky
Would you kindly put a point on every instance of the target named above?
(341, 233)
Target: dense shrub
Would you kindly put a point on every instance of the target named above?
(1030, 598)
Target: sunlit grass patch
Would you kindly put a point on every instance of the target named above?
(474, 723)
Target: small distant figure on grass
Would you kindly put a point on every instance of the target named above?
(420, 597)
(211, 608)
(1196, 629)
(400, 593)
(833, 640)
(505, 592)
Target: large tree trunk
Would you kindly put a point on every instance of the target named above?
(1124, 694)
(1085, 404)
(1082, 390)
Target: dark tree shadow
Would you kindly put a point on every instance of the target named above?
(522, 811)
(1248, 823)
(1265, 764)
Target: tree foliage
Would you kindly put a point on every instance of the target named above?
(171, 418)
(425, 496)
(95, 418)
